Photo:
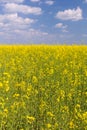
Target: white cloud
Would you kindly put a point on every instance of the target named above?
(24, 36)
(16, 29)
(13, 21)
(13, 8)
(49, 2)
(84, 35)
(15, 18)
(61, 25)
(65, 31)
(85, 1)
(11, 1)
(35, 0)
(31, 32)
(70, 14)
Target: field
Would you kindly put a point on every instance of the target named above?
(43, 87)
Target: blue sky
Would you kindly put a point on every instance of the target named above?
(43, 21)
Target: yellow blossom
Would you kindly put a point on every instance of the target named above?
(50, 114)
(49, 125)
(1, 85)
(16, 95)
(34, 79)
(71, 124)
(30, 119)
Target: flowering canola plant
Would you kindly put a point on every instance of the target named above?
(43, 87)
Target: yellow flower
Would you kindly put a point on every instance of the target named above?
(48, 125)
(7, 87)
(56, 125)
(6, 110)
(50, 114)
(86, 72)
(65, 71)
(42, 105)
(51, 71)
(16, 95)
(34, 79)
(29, 90)
(30, 119)
(77, 105)
(1, 85)
(58, 99)
(0, 65)
(6, 74)
(70, 96)
(71, 124)
(65, 109)
(79, 115)
(62, 94)
(84, 117)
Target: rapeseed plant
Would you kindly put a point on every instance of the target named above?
(43, 87)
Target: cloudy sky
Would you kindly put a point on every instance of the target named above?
(43, 21)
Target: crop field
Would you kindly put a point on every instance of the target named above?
(43, 87)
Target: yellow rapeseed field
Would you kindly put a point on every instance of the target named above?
(43, 87)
